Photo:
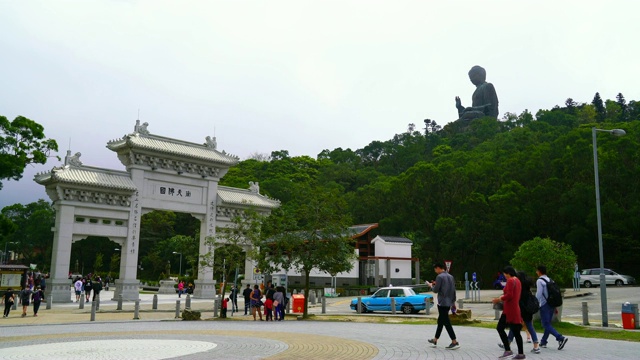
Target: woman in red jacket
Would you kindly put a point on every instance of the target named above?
(510, 313)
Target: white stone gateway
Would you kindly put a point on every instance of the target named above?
(161, 174)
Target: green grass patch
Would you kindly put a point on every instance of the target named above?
(567, 329)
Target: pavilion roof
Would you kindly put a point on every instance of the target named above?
(160, 144)
(87, 176)
(235, 196)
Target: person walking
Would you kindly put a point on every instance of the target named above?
(511, 316)
(37, 297)
(234, 298)
(527, 317)
(278, 304)
(88, 286)
(7, 299)
(78, 287)
(546, 310)
(97, 287)
(25, 299)
(444, 286)
(180, 288)
(247, 299)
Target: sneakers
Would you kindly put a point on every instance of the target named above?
(432, 342)
(519, 356)
(544, 346)
(501, 345)
(506, 355)
(528, 341)
(535, 350)
(453, 346)
(562, 343)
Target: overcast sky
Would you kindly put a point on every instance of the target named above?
(301, 76)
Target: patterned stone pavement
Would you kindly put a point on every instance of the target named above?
(270, 340)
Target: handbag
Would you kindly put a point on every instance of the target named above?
(498, 306)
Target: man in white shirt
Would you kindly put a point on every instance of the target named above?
(546, 311)
(78, 286)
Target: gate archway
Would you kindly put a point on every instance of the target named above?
(160, 173)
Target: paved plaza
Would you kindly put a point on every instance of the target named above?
(65, 332)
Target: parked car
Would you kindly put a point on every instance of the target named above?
(407, 301)
(591, 277)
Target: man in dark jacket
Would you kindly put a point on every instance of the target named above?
(247, 299)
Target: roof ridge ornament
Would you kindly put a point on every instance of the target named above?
(73, 160)
(211, 142)
(254, 187)
(141, 129)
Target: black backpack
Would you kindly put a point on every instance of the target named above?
(529, 304)
(554, 297)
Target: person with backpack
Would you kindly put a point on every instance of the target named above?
(549, 297)
(529, 305)
(511, 314)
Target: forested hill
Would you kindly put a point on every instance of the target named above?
(472, 193)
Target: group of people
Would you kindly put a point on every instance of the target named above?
(26, 296)
(86, 285)
(275, 301)
(513, 301)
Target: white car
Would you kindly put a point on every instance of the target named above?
(591, 277)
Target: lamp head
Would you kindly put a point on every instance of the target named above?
(618, 132)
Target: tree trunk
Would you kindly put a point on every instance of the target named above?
(306, 294)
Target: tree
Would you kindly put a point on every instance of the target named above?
(599, 106)
(558, 257)
(32, 237)
(624, 109)
(22, 142)
(312, 235)
(98, 264)
(230, 245)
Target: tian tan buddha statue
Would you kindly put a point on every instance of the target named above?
(484, 99)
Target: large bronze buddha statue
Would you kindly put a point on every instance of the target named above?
(484, 99)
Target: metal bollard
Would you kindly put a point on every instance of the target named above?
(215, 307)
(93, 311)
(427, 306)
(585, 313)
(461, 304)
(14, 306)
(187, 304)
(359, 305)
(312, 297)
(393, 306)
(136, 312)
(177, 309)
(155, 302)
(97, 302)
(119, 302)
(497, 314)
(81, 305)
(324, 305)
(49, 302)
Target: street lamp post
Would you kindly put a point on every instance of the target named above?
(180, 273)
(603, 283)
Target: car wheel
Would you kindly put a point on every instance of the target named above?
(587, 284)
(407, 308)
(364, 308)
(619, 282)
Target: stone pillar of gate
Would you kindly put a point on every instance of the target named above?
(249, 266)
(59, 286)
(127, 284)
(205, 285)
